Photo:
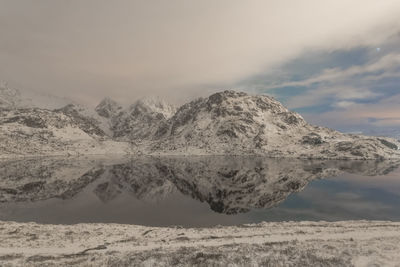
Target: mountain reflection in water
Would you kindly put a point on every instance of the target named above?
(196, 191)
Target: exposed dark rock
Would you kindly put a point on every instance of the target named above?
(108, 108)
(312, 139)
(86, 124)
(344, 146)
(388, 144)
(291, 118)
(30, 121)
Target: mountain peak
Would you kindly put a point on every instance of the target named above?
(228, 93)
(142, 119)
(231, 95)
(154, 105)
(108, 108)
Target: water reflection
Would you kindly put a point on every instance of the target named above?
(143, 186)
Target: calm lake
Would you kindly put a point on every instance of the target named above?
(196, 191)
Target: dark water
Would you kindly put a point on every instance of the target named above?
(197, 191)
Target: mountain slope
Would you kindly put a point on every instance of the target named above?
(232, 122)
(34, 132)
(108, 108)
(141, 120)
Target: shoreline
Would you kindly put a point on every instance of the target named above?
(344, 243)
(182, 155)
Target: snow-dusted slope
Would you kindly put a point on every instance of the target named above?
(84, 114)
(232, 122)
(141, 120)
(108, 108)
(35, 132)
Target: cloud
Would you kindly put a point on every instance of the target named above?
(127, 49)
(334, 96)
(344, 104)
(387, 66)
(383, 113)
(356, 97)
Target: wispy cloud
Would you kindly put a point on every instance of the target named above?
(387, 66)
(383, 113)
(334, 96)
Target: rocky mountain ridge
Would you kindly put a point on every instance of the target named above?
(232, 123)
(225, 123)
(140, 120)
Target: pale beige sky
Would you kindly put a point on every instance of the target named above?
(175, 49)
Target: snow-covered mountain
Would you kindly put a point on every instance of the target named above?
(36, 132)
(141, 120)
(225, 123)
(138, 121)
(108, 108)
(232, 122)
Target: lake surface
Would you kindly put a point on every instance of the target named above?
(196, 191)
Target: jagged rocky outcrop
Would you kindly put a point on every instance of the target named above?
(141, 120)
(86, 123)
(138, 121)
(108, 108)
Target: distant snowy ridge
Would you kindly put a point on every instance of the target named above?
(9, 97)
(225, 123)
(15, 98)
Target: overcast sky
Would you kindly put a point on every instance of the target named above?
(322, 58)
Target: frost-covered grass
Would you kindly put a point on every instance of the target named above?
(347, 243)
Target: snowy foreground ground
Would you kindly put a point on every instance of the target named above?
(349, 243)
